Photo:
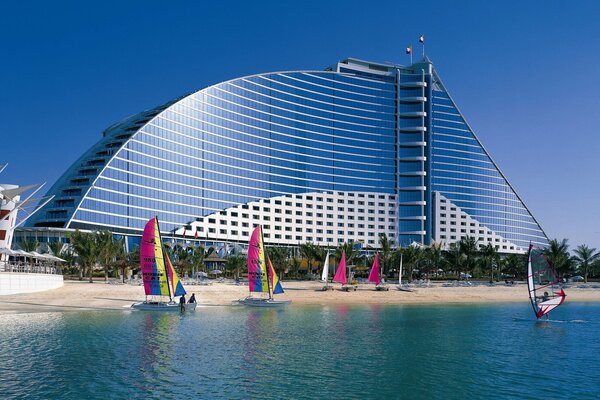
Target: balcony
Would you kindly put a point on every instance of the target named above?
(413, 114)
(413, 144)
(413, 129)
(413, 158)
(420, 84)
(418, 99)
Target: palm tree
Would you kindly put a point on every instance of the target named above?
(468, 246)
(197, 258)
(432, 257)
(234, 264)
(515, 264)
(454, 258)
(107, 250)
(307, 251)
(557, 254)
(411, 257)
(56, 247)
(386, 251)
(85, 245)
(585, 258)
(279, 256)
(489, 258)
(29, 245)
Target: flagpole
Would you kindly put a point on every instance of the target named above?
(422, 41)
(411, 54)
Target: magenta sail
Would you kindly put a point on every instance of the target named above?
(374, 275)
(340, 274)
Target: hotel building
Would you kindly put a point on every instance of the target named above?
(340, 155)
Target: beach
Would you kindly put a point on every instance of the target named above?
(82, 295)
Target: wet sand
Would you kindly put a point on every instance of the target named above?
(76, 295)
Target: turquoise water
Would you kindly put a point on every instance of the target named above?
(410, 352)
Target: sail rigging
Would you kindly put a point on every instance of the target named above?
(325, 274)
(374, 275)
(158, 274)
(261, 274)
(545, 290)
(340, 274)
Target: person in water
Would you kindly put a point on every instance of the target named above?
(545, 296)
(182, 302)
(192, 298)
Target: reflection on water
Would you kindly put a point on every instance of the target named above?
(300, 352)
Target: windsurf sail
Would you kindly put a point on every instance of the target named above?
(325, 274)
(158, 274)
(340, 274)
(545, 291)
(374, 274)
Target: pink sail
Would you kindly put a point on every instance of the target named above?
(340, 274)
(374, 274)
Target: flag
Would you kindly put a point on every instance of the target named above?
(422, 39)
(408, 50)
(183, 231)
(196, 235)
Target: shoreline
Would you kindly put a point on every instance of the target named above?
(82, 295)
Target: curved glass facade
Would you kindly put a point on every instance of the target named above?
(355, 128)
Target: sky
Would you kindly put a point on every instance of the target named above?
(518, 71)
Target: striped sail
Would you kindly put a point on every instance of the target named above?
(258, 263)
(159, 279)
(257, 266)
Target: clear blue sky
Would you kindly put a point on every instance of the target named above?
(523, 74)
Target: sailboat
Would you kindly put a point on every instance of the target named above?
(340, 275)
(375, 276)
(405, 287)
(325, 274)
(545, 290)
(261, 275)
(158, 275)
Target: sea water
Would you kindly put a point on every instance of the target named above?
(303, 352)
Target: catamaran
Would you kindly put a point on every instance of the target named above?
(340, 275)
(375, 276)
(158, 275)
(545, 290)
(261, 275)
(405, 287)
(325, 274)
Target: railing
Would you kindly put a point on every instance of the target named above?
(29, 268)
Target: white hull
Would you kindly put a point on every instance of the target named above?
(348, 288)
(405, 289)
(380, 288)
(258, 302)
(162, 306)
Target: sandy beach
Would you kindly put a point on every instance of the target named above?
(76, 295)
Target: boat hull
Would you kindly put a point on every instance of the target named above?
(405, 289)
(162, 306)
(257, 302)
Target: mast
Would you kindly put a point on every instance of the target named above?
(400, 273)
(267, 263)
(164, 260)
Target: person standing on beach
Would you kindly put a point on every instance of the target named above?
(192, 298)
(182, 302)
